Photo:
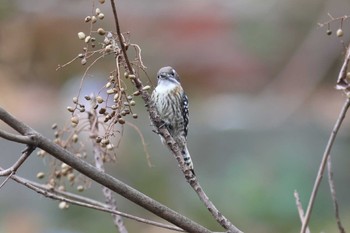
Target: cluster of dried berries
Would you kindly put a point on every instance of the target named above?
(339, 32)
(99, 116)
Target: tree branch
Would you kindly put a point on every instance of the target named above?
(102, 178)
(190, 177)
(17, 138)
(84, 202)
(326, 154)
(342, 84)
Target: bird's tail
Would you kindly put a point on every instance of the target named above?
(187, 158)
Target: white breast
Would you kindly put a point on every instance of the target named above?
(165, 86)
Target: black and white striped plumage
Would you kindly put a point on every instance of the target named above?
(171, 103)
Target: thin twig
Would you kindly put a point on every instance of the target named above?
(326, 154)
(16, 138)
(333, 193)
(7, 178)
(300, 208)
(120, 38)
(85, 202)
(25, 154)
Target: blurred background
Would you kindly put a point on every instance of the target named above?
(260, 77)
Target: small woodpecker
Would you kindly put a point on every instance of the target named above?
(171, 103)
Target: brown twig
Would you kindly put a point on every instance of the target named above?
(102, 178)
(333, 193)
(84, 201)
(326, 154)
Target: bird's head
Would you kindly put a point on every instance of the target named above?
(168, 74)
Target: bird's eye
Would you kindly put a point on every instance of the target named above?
(172, 72)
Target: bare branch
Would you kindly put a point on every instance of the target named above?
(104, 179)
(84, 202)
(326, 154)
(12, 170)
(300, 208)
(334, 198)
(16, 138)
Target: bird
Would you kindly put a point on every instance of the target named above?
(171, 103)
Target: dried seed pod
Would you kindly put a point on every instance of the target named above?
(101, 1)
(340, 32)
(87, 97)
(81, 55)
(121, 121)
(116, 96)
(80, 188)
(135, 116)
(75, 99)
(132, 76)
(99, 99)
(129, 97)
(114, 107)
(108, 85)
(110, 147)
(61, 188)
(136, 93)
(101, 16)
(101, 31)
(147, 87)
(93, 19)
(87, 19)
(102, 111)
(105, 141)
(329, 32)
(108, 48)
(63, 205)
(87, 39)
(132, 103)
(70, 109)
(74, 121)
(98, 11)
(81, 35)
(110, 91)
(98, 139)
(75, 138)
(40, 175)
